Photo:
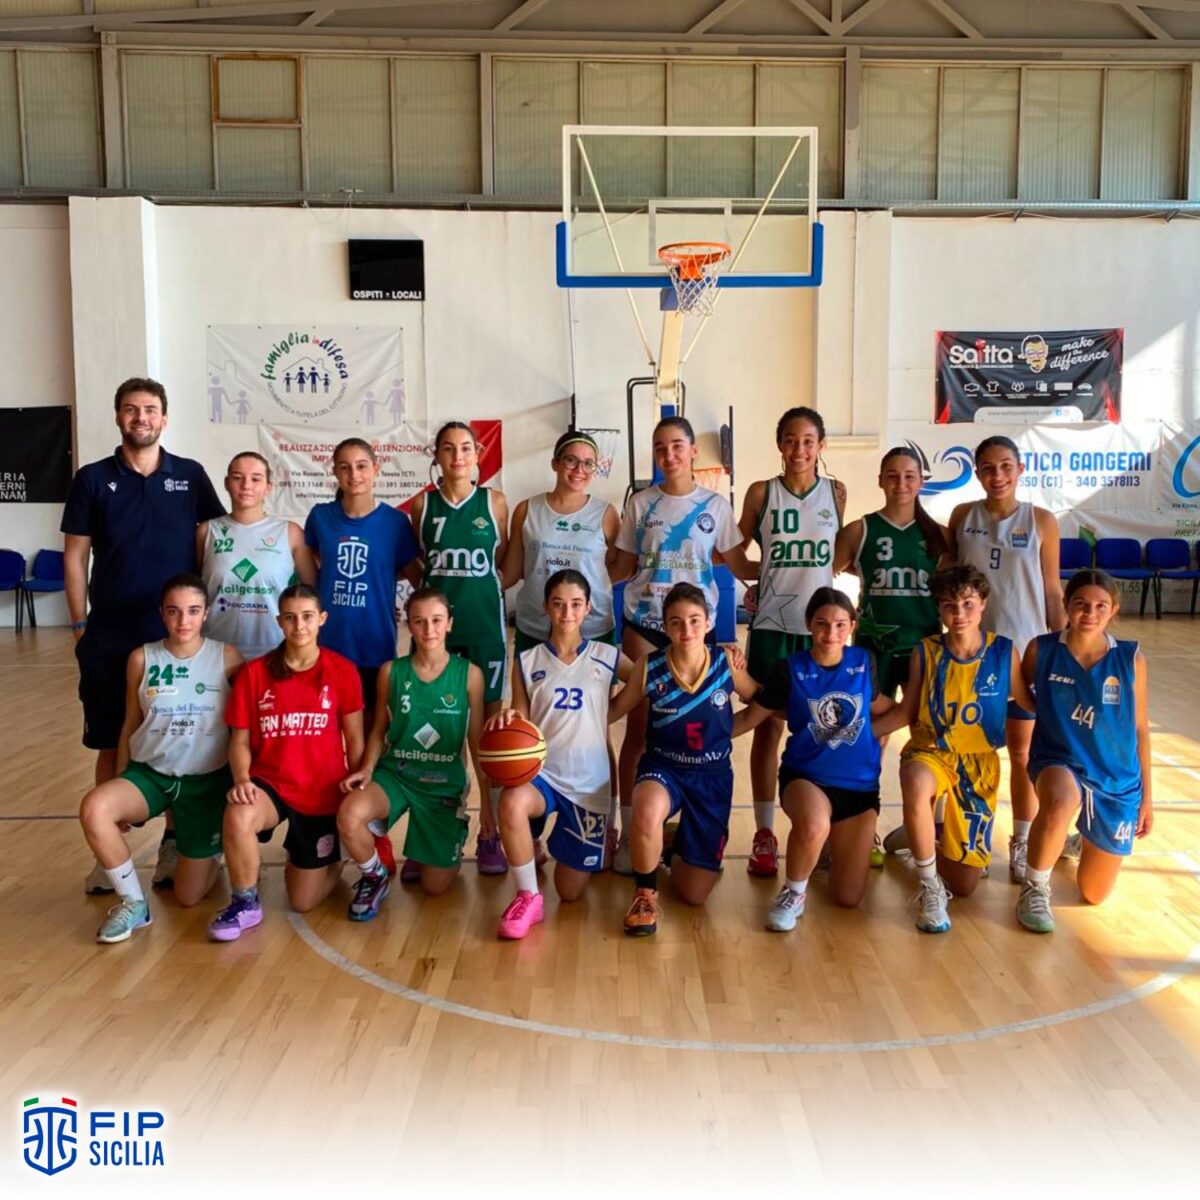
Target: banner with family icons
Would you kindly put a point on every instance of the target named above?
(1056, 375)
(302, 463)
(318, 376)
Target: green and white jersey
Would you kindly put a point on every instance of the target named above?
(245, 568)
(460, 543)
(183, 730)
(427, 734)
(796, 533)
(896, 609)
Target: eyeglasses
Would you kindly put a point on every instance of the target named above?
(586, 465)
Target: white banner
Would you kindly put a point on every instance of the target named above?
(302, 463)
(321, 376)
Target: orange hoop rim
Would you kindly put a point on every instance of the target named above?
(690, 258)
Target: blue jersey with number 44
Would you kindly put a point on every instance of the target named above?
(689, 727)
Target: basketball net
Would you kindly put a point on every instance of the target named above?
(693, 268)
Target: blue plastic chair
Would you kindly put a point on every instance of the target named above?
(48, 576)
(1073, 555)
(1171, 558)
(1122, 559)
(12, 577)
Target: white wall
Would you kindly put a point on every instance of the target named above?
(35, 314)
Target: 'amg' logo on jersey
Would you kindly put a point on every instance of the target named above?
(801, 552)
(460, 561)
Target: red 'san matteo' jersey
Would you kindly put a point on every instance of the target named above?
(295, 728)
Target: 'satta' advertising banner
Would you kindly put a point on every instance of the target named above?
(302, 463)
(1006, 378)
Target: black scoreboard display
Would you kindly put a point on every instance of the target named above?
(387, 269)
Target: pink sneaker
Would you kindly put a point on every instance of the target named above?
(526, 911)
(411, 871)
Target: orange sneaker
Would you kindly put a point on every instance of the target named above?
(642, 918)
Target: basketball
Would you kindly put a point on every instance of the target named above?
(512, 755)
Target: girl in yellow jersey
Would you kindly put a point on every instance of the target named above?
(955, 703)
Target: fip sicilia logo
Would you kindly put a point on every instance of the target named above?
(111, 1137)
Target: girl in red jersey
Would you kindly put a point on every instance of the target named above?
(297, 731)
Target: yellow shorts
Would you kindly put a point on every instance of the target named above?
(970, 783)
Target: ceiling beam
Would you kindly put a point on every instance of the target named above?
(711, 18)
(955, 18)
(1151, 26)
(861, 14)
(821, 21)
(518, 15)
(317, 16)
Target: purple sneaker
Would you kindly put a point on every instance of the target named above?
(369, 893)
(411, 871)
(489, 856)
(240, 914)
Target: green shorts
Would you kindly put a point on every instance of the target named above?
(524, 641)
(490, 658)
(767, 647)
(197, 803)
(436, 831)
(891, 666)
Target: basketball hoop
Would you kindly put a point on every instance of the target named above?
(693, 268)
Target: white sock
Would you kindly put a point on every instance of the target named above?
(1041, 878)
(926, 868)
(524, 876)
(1021, 830)
(125, 880)
(626, 820)
(373, 865)
(799, 886)
(764, 814)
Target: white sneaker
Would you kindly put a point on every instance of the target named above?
(1033, 907)
(622, 862)
(1018, 859)
(785, 910)
(165, 867)
(96, 883)
(1073, 847)
(931, 900)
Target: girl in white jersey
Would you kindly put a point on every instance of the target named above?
(1015, 545)
(674, 532)
(563, 686)
(247, 558)
(173, 753)
(795, 518)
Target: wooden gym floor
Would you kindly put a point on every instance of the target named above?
(418, 1049)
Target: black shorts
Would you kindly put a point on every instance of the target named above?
(102, 661)
(311, 841)
(658, 637)
(369, 678)
(845, 803)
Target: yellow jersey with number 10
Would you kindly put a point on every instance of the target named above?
(963, 702)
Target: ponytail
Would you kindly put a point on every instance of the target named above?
(931, 531)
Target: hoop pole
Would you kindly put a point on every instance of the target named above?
(787, 162)
(612, 241)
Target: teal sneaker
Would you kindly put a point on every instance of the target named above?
(1033, 907)
(123, 920)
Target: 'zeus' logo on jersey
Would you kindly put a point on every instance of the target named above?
(837, 719)
(352, 558)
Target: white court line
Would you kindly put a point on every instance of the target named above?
(1131, 996)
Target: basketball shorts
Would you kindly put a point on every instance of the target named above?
(437, 827)
(311, 841)
(767, 646)
(577, 840)
(891, 665)
(845, 802)
(102, 661)
(1016, 713)
(197, 802)
(369, 678)
(490, 658)
(523, 641)
(1108, 822)
(702, 800)
(970, 783)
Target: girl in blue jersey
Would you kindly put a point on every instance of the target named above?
(684, 695)
(1090, 750)
(829, 778)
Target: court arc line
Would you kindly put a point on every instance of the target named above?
(967, 1037)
